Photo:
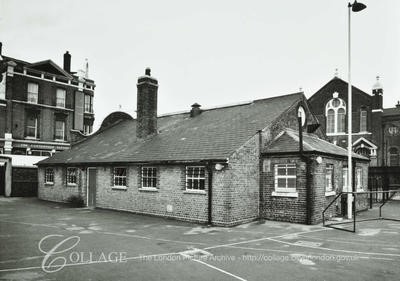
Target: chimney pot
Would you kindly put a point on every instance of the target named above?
(398, 104)
(1, 47)
(147, 71)
(196, 110)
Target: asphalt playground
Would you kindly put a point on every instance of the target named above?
(49, 241)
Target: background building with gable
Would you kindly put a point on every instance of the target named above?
(376, 130)
(43, 108)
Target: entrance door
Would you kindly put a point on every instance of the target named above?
(91, 187)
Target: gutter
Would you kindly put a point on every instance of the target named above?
(162, 162)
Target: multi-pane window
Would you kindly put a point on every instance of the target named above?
(285, 177)
(120, 177)
(195, 177)
(149, 177)
(71, 176)
(393, 156)
(88, 103)
(87, 129)
(33, 92)
(59, 130)
(359, 179)
(363, 120)
(60, 98)
(49, 175)
(329, 177)
(32, 126)
(335, 113)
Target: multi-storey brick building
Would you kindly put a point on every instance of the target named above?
(376, 130)
(43, 107)
(40, 103)
(224, 165)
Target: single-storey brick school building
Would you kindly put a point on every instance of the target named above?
(223, 166)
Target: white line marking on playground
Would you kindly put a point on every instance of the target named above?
(334, 250)
(219, 269)
(87, 263)
(150, 238)
(292, 252)
(348, 241)
(264, 238)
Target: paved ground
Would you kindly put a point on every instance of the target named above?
(83, 244)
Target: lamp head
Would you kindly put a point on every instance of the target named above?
(357, 7)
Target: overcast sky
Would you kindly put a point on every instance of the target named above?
(209, 52)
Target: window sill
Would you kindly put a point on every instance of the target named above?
(189, 191)
(60, 140)
(330, 193)
(49, 183)
(285, 194)
(148, 189)
(31, 138)
(119, 187)
(71, 184)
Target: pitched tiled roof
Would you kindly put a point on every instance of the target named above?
(213, 135)
(391, 111)
(288, 141)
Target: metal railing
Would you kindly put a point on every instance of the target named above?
(353, 220)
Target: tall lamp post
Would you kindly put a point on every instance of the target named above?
(355, 7)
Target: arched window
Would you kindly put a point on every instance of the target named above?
(341, 123)
(335, 112)
(363, 120)
(330, 121)
(393, 156)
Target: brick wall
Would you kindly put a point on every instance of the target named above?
(290, 209)
(236, 189)
(170, 199)
(294, 209)
(59, 191)
(320, 200)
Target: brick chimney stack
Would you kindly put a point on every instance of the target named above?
(67, 62)
(147, 88)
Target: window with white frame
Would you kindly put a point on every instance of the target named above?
(328, 178)
(119, 176)
(359, 179)
(33, 92)
(49, 176)
(285, 177)
(32, 126)
(60, 98)
(195, 177)
(335, 112)
(59, 130)
(71, 176)
(363, 120)
(149, 177)
(88, 104)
